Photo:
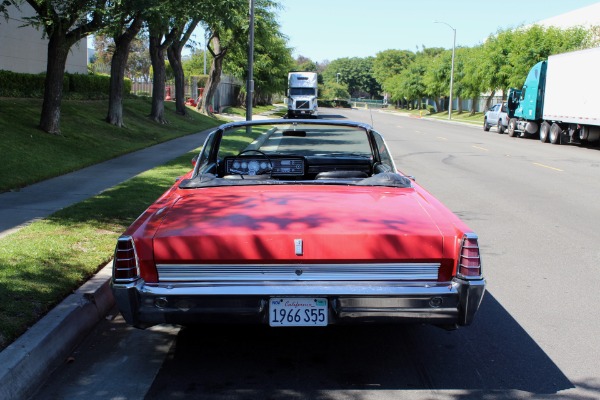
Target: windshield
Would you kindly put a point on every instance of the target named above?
(302, 92)
(300, 152)
(297, 139)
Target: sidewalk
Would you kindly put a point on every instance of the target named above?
(39, 200)
(28, 361)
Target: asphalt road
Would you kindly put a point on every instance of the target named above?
(535, 208)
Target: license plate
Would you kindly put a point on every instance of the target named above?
(298, 311)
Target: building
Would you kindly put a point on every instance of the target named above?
(25, 49)
(586, 16)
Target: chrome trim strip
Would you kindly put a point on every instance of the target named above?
(296, 272)
(300, 289)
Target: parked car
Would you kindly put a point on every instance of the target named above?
(496, 116)
(304, 223)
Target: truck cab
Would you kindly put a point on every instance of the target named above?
(302, 95)
(526, 105)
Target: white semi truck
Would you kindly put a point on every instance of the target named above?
(559, 100)
(302, 95)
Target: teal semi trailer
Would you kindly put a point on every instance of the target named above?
(560, 100)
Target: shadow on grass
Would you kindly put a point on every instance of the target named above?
(44, 262)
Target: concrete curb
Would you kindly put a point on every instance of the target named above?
(26, 363)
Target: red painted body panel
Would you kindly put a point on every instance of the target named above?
(336, 224)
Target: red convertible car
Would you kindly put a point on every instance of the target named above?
(297, 223)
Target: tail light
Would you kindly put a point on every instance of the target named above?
(125, 263)
(469, 261)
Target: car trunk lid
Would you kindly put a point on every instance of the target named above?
(307, 224)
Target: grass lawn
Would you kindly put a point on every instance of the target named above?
(44, 262)
(465, 116)
(30, 155)
(275, 111)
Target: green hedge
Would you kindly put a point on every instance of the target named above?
(14, 84)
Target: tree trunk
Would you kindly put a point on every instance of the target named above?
(174, 55)
(58, 50)
(117, 72)
(438, 104)
(214, 76)
(157, 57)
(459, 108)
(473, 101)
(488, 101)
(62, 33)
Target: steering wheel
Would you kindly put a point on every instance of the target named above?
(254, 167)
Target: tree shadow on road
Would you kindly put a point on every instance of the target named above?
(493, 356)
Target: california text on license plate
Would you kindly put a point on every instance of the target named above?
(297, 311)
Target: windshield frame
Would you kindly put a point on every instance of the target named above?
(209, 163)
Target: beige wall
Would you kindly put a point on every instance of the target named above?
(22, 49)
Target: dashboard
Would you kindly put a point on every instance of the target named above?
(275, 166)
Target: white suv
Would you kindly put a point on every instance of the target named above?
(496, 116)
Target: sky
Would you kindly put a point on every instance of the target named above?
(331, 29)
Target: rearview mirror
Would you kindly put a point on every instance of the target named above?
(294, 133)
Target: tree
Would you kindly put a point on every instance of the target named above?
(335, 91)
(355, 72)
(104, 47)
(412, 87)
(227, 25)
(305, 64)
(130, 26)
(161, 35)
(461, 87)
(494, 69)
(64, 23)
(535, 44)
(138, 63)
(388, 63)
(272, 58)
(182, 32)
(194, 65)
(510, 54)
(273, 61)
(214, 75)
(127, 20)
(437, 77)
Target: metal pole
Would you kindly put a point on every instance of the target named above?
(452, 67)
(205, 48)
(250, 85)
(452, 75)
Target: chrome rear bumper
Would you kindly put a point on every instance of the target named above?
(449, 303)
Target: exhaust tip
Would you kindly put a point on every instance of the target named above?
(160, 302)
